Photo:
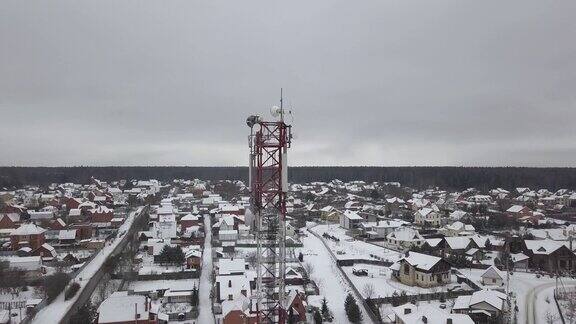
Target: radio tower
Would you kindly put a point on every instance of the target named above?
(268, 173)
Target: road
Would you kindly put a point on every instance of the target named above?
(329, 278)
(205, 303)
(535, 313)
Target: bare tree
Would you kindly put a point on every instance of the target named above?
(368, 290)
(570, 312)
(550, 318)
(309, 268)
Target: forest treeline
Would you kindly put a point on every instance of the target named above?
(418, 177)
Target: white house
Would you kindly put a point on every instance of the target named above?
(405, 238)
(166, 226)
(350, 219)
(489, 302)
(427, 216)
(493, 277)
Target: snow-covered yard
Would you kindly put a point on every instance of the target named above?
(328, 277)
(532, 295)
(348, 248)
(384, 285)
(15, 299)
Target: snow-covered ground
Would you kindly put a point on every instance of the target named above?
(17, 298)
(348, 248)
(205, 303)
(328, 277)
(384, 285)
(533, 296)
(55, 311)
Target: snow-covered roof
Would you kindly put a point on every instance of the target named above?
(515, 209)
(421, 261)
(230, 266)
(352, 215)
(493, 272)
(542, 246)
(427, 314)
(115, 308)
(67, 234)
(28, 229)
(493, 298)
(457, 242)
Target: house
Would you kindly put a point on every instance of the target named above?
(193, 258)
(381, 229)
(426, 314)
(57, 224)
(67, 237)
(458, 244)
(189, 220)
(458, 229)
(422, 270)
(550, 256)
(166, 226)
(329, 213)
(518, 211)
(427, 217)
(29, 235)
(493, 277)
(484, 306)
(293, 277)
(295, 310)
(123, 308)
(45, 251)
(101, 215)
(350, 219)
(238, 311)
(405, 238)
(520, 260)
(9, 220)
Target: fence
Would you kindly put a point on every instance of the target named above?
(369, 311)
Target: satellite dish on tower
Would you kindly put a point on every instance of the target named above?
(276, 111)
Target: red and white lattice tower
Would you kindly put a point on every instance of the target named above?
(269, 142)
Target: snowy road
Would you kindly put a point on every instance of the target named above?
(328, 277)
(60, 308)
(205, 308)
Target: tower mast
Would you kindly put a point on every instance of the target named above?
(268, 172)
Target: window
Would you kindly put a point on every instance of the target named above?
(406, 269)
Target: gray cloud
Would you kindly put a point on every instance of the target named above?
(371, 83)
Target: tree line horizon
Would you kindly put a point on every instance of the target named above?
(420, 177)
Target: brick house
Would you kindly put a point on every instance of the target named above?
(9, 220)
(29, 235)
(101, 214)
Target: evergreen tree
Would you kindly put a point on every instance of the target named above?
(325, 310)
(317, 317)
(352, 309)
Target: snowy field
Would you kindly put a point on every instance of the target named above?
(384, 285)
(328, 277)
(348, 248)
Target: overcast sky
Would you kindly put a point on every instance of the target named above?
(383, 82)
